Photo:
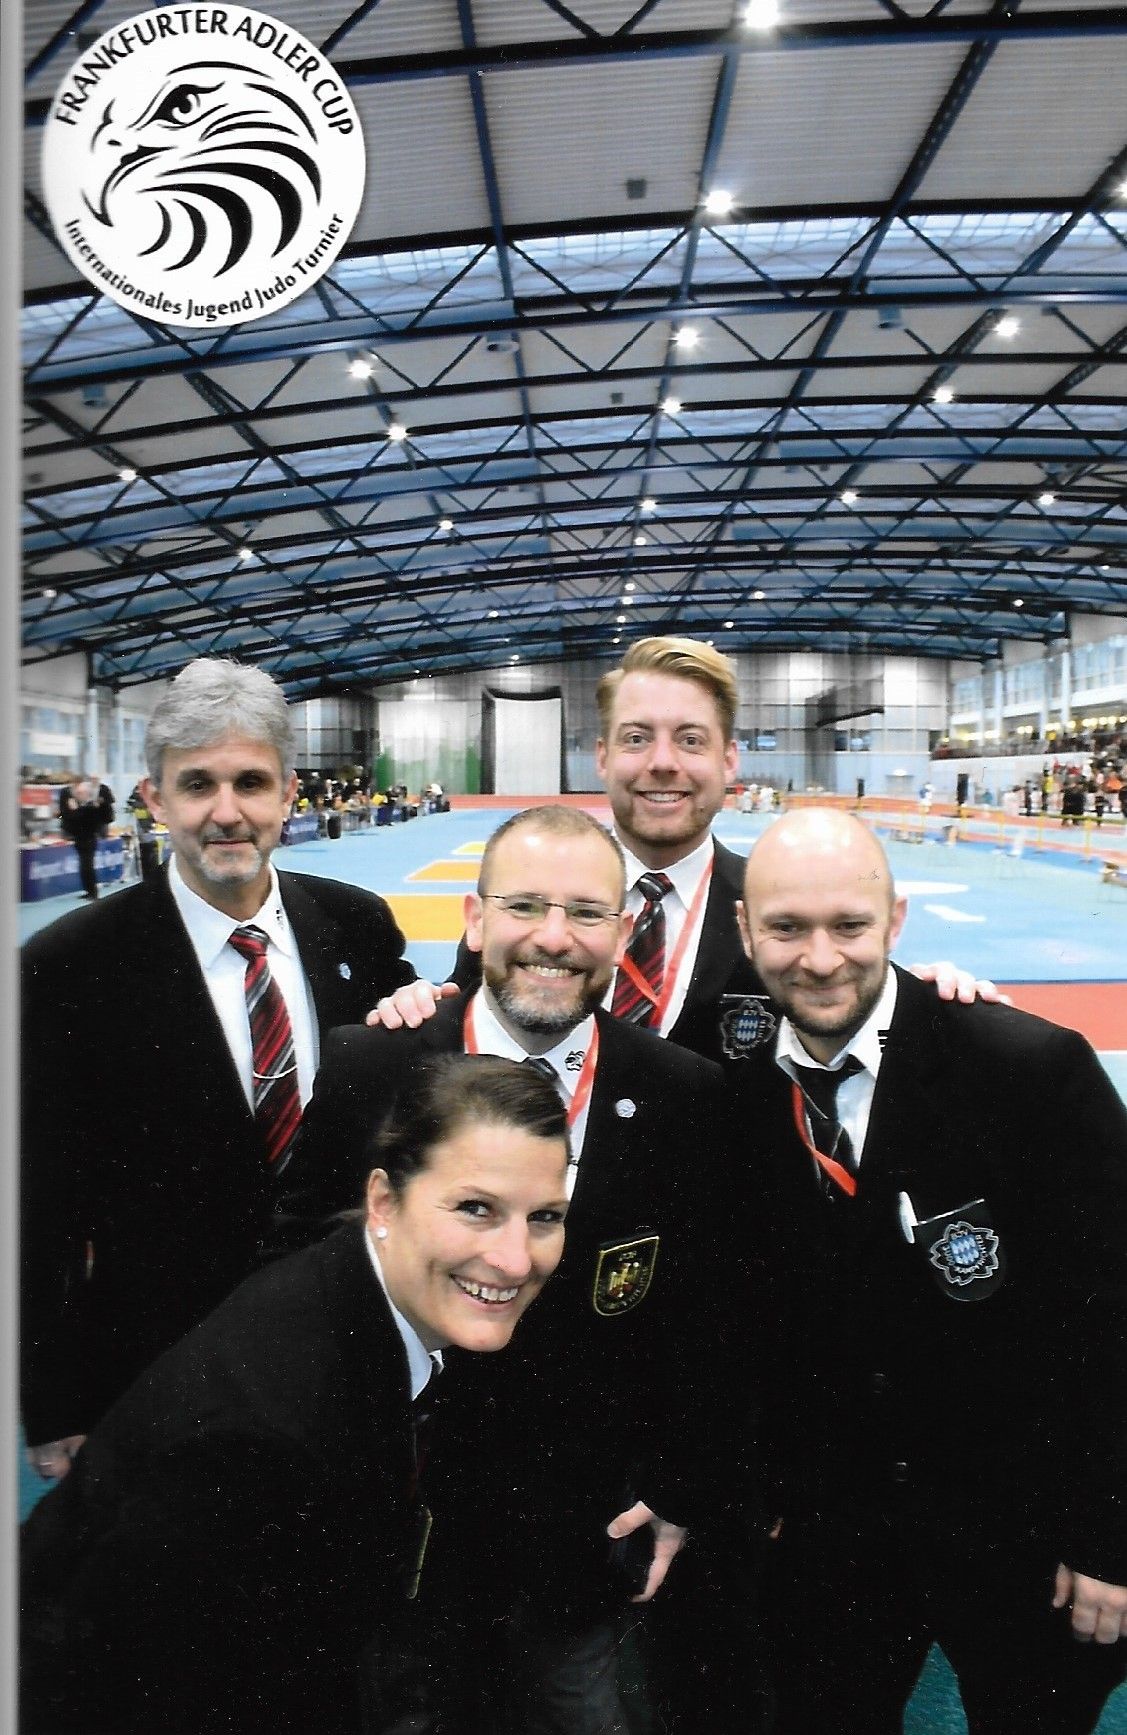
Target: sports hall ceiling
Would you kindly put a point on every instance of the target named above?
(877, 405)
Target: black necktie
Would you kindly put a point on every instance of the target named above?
(422, 1421)
(646, 952)
(819, 1087)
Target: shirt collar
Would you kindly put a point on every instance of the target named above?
(493, 1038)
(685, 874)
(866, 1045)
(210, 929)
(421, 1361)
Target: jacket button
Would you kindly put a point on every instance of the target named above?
(900, 1471)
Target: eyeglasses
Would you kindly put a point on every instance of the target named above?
(527, 908)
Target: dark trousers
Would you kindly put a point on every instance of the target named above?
(854, 1602)
(86, 848)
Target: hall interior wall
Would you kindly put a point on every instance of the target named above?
(430, 726)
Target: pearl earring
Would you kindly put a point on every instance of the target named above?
(381, 1233)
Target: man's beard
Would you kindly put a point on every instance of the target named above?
(546, 1020)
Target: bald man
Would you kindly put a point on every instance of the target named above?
(940, 1247)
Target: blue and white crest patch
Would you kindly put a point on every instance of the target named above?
(965, 1253)
(746, 1023)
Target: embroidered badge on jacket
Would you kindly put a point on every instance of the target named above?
(965, 1253)
(746, 1022)
(623, 1274)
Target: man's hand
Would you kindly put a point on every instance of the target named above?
(52, 1459)
(951, 983)
(410, 1005)
(1099, 1610)
(668, 1539)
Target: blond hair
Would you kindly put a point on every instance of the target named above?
(688, 660)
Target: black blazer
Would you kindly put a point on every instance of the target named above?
(721, 968)
(237, 1527)
(999, 1403)
(144, 1187)
(581, 1403)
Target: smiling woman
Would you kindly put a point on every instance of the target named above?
(243, 1523)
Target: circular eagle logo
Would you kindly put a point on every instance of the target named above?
(203, 165)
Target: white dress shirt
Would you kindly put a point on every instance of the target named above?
(566, 1058)
(224, 971)
(686, 876)
(854, 1094)
(421, 1361)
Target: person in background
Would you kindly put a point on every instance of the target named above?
(86, 810)
(939, 1201)
(207, 987)
(246, 1522)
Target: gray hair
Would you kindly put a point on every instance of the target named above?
(214, 697)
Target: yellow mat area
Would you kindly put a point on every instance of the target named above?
(429, 915)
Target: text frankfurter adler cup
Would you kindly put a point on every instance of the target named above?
(203, 165)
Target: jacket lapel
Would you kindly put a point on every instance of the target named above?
(720, 947)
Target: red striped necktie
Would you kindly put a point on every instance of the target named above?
(646, 952)
(277, 1100)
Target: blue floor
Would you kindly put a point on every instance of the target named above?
(1015, 921)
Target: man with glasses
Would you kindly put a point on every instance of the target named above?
(594, 1416)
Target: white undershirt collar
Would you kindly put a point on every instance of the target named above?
(421, 1361)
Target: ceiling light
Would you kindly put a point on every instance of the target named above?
(493, 613)
(626, 601)
(620, 620)
(360, 369)
(1046, 499)
(446, 524)
(719, 202)
(670, 406)
(617, 639)
(649, 505)
(515, 658)
(728, 625)
(630, 585)
(1018, 602)
(761, 14)
(640, 541)
(246, 553)
(128, 475)
(397, 431)
(687, 338)
(943, 395)
(758, 595)
(50, 595)
(1007, 326)
(849, 496)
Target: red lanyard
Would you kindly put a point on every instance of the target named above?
(839, 1175)
(583, 1084)
(669, 978)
